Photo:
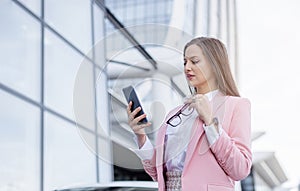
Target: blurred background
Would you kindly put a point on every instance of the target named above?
(59, 55)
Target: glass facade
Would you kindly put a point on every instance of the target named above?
(61, 65)
(139, 12)
(20, 50)
(19, 144)
(79, 32)
(43, 44)
(67, 159)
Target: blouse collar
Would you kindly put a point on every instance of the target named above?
(210, 95)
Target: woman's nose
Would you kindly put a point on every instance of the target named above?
(187, 65)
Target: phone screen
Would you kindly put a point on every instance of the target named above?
(131, 95)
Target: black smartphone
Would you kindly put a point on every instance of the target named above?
(130, 95)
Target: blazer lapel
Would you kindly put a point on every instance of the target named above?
(198, 134)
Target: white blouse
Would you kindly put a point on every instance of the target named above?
(177, 139)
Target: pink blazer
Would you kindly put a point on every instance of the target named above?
(213, 168)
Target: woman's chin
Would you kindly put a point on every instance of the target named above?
(192, 84)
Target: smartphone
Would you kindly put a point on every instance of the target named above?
(130, 95)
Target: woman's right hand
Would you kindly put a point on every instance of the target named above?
(138, 128)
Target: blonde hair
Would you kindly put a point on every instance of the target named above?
(216, 54)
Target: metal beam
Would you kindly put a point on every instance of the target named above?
(174, 85)
(126, 64)
(117, 98)
(118, 25)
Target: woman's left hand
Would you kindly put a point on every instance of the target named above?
(203, 107)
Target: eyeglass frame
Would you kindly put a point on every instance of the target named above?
(177, 114)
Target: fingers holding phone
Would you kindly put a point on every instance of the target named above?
(134, 122)
(136, 117)
(137, 127)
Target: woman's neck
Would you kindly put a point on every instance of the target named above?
(205, 90)
(209, 86)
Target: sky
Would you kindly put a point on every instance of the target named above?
(269, 73)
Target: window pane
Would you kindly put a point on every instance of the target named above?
(20, 50)
(71, 18)
(68, 161)
(61, 65)
(33, 5)
(19, 144)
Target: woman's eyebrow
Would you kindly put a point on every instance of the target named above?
(190, 57)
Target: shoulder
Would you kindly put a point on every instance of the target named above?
(239, 105)
(237, 101)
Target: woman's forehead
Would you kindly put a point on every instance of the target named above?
(193, 51)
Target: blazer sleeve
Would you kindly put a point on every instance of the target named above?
(150, 167)
(233, 149)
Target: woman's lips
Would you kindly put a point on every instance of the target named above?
(189, 76)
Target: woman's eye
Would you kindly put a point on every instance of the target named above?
(193, 61)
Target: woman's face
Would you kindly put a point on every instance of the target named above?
(198, 70)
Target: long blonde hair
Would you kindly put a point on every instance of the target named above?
(216, 54)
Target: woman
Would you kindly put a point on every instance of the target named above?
(217, 123)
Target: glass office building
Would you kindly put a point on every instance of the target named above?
(43, 44)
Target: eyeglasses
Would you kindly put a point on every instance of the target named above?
(176, 119)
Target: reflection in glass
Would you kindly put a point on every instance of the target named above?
(72, 19)
(33, 5)
(141, 12)
(68, 161)
(20, 50)
(19, 144)
(61, 65)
